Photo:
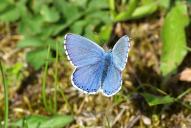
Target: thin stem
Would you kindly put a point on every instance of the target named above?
(66, 100)
(6, 112)
(107, 120)
(56, 79)
(184, 93)
(156, 89)
(184, 104)
(44, 82)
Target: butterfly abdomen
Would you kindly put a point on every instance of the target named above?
(107, 63)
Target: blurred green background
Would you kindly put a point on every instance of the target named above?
(36, 90)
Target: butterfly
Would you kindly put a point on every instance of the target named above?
(96, 70)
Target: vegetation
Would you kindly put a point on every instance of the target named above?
(35, 86)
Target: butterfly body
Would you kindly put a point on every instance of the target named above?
(95, 69)
(107, 62)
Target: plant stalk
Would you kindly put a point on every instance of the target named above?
(6, 112)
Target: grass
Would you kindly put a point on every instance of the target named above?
(44, 83)
(6, 98)
(56, 79)
(165, 95)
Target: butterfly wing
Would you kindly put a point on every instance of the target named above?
(81, 51)
(87, 57)
(112, 82)
(120, 52)
(88, 78)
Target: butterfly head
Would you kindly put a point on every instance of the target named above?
(109, 51)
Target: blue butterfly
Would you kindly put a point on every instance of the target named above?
(96, 70)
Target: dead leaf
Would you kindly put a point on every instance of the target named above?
(185, 75)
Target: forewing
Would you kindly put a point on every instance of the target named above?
(112, 82)
(120, 52)
(88, 78)
(81, 51)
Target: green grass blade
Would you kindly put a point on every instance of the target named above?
(112, 8)
(56, 79)
(44, 82)
(125, 15)
(5, 86)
